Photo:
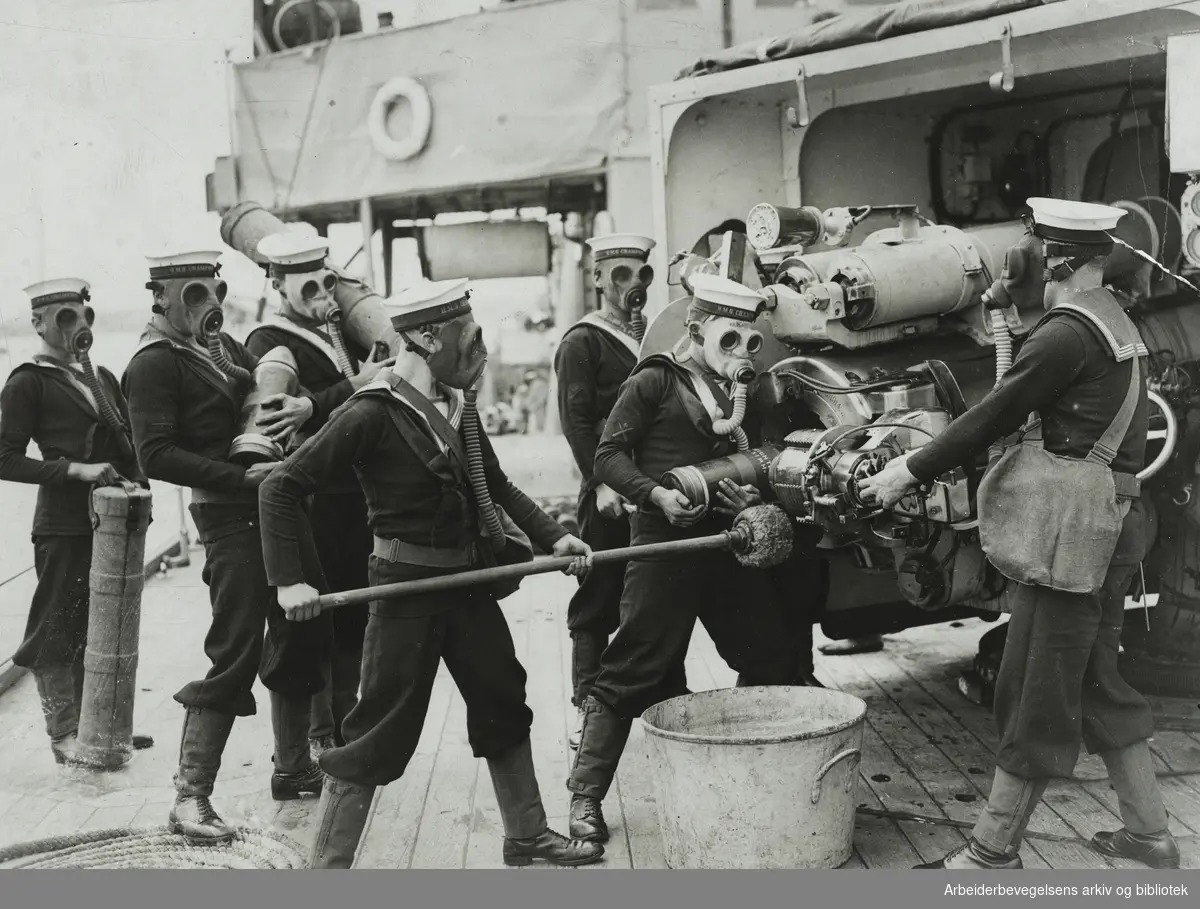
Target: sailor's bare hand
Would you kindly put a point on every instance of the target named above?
(284, 415)
(299, 602)
(98, 474)
(609, 501)
(676, 506)
(890, 485)
(256, 473)
(733, 499)
(573, 546)
(370, 371)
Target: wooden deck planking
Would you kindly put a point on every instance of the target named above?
(399, 808)
(931, 742)
(878, 841)
(972, 757)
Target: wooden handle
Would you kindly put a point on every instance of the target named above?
(721, 541)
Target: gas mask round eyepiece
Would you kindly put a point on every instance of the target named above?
(309, 295)
(729, 346)
(72, 328)
(627, 287)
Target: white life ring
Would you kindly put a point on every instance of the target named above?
(414, 93)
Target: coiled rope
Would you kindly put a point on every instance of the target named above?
(156, 847)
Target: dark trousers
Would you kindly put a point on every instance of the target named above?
(740, 608)
(595, 610)
(288, 656)
(344, 544)
(401, 654)
(57, 627)
(1059, 684)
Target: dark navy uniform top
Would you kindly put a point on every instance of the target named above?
(416, 492)
(1066, 372)
(319, 374)
(185, 415)
(591, 366)
(658, 423)
(42, 404)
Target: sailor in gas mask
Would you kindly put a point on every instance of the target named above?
(76, 414)
(592, 361)
(679, 409)
(331, 367)
(186, 383)
(1060, 516)
(439, 502)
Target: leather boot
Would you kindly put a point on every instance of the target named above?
(996, 840)
(1145, 837)
(341, 819)
(973, 857)
(205, 733)
(527, 836)
(604, 736)
(586, 651)
(296, 772)
(60, 708)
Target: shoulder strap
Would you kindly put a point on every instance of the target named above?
(1109, 444)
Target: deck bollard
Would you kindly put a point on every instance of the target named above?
(121, 515)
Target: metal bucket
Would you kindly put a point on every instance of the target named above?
(757, 777)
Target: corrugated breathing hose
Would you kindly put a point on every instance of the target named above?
(483, 499)
(637, 325)
(1003, 339)
(345, 362)
(733, 426)
(107, 411)
(221, 360)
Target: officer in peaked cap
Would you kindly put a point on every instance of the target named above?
(437, 499)
(675, 410)
(332, 367)
(77, 416)
(186, 385)
(593, 359)
(1081, 371)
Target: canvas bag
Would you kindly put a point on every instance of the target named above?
(1054, 521)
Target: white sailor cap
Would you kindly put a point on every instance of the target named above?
(620, 246)
(429, 302)
(720, 296)
(292, 252)
(59, 290)
(1074, 223)
(203, 264)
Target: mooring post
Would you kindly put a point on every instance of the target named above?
(121, 516)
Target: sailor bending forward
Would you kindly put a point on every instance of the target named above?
(436, 497)
(675, 410)
(1059, 684)
(338, 512)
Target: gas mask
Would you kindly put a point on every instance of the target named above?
(193, 305)
(727, 347)
(460, 354)
(309, 295)
(623, 283)
(67, 327)
(1022, 284)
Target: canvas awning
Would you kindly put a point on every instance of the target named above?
(859, 27)
(504, 108)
